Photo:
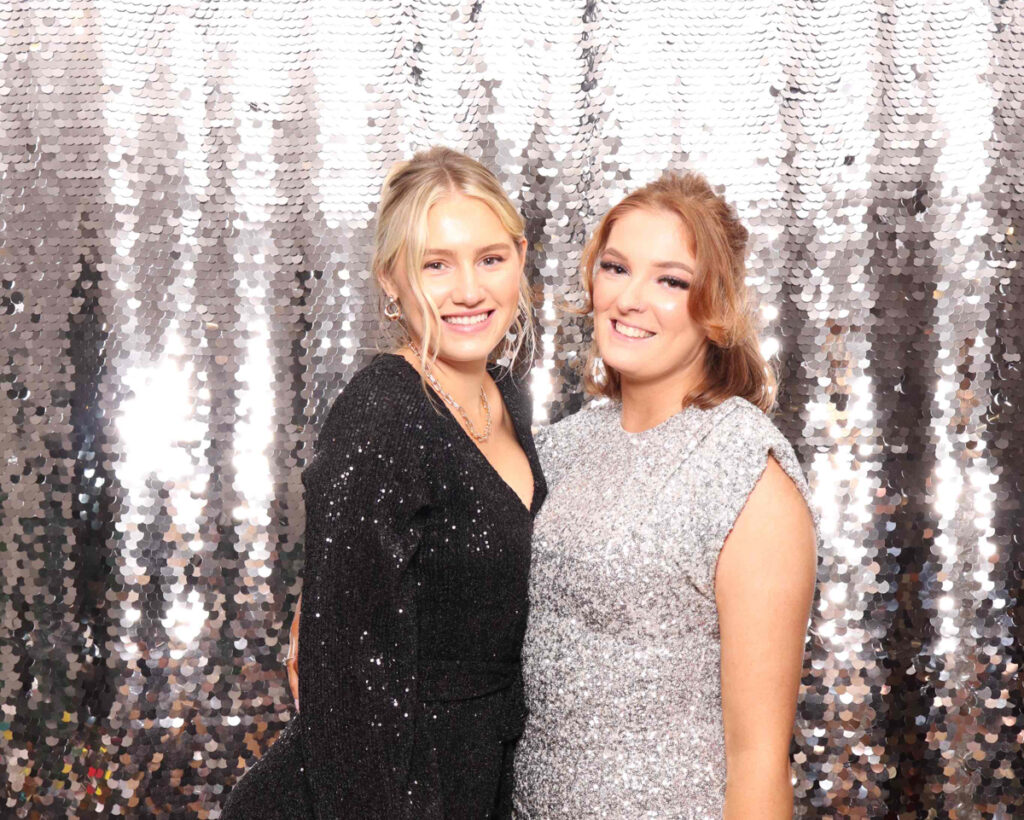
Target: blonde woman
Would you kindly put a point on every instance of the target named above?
(674, 560)
(420, 505)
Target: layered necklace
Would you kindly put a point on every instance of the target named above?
(458, 408)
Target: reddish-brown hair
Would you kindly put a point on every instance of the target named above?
(718, 300)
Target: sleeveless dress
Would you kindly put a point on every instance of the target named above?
(621, 657)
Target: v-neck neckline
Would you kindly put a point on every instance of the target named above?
(529, 452)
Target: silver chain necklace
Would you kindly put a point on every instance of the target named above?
(449, 399)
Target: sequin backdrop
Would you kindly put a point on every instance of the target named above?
(187, 192)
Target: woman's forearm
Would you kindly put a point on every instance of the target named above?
(758, 790)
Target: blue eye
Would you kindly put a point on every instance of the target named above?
(612, 267)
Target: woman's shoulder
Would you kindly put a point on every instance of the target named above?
(385, 397)
(584, 422)
(739, 420)
(384, 370)
(570, 438)
(744, 435)
(386, 383)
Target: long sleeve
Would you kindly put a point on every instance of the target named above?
(365, 493)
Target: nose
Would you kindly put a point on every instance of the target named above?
(631, 298)
(467, 290)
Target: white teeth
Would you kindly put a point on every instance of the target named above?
(467, 320)
(632, 332)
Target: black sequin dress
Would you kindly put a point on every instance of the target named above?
(413, 615)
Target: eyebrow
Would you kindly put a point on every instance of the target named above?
(497, 246)
(666, 265)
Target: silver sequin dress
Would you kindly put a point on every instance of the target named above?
(621, 657)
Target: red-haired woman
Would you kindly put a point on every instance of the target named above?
(674, 561)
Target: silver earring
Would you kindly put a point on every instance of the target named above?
(508, 346)
(392, 310)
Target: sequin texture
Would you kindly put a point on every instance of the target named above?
(186, 210)
(414, 608)
(621, 659)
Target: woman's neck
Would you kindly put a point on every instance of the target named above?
(462, 380)
(648, 403)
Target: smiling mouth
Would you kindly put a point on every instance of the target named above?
(629, 331)
(468, 320)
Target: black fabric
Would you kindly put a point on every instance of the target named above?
(413, 615)
(275, 785)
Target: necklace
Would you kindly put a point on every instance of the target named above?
(450, 400)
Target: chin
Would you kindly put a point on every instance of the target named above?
(618, 360)
(625, 369)
(627, 372)
(631, 367)
(465, 350)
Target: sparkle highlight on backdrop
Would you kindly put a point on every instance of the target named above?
(186, 200)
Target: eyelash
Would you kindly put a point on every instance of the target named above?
(497, 260)
(671, 281)
(611, 266)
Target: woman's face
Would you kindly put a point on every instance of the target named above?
(471, 271)
(642, 324)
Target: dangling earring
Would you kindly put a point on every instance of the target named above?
(507, 348)
(392, 310)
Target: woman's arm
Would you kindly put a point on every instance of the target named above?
(764, 586)
(357, 663)
(292, 661)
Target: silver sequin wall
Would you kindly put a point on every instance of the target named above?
(186, 194)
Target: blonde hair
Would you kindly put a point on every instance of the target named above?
(718, 300)
(409, 191)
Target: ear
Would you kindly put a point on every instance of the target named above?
(521, 250)
(386, 285)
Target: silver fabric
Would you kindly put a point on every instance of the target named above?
(621, 661)
(186, 200)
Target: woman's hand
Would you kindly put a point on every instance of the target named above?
(292, 659)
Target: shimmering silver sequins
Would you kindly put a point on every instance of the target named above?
(621, 660)
(186, 194)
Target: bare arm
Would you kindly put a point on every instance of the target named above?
(764, 587)
(292, 661)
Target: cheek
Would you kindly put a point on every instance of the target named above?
(604, 293)
(435, 288)
(509, 281)
(673, 314)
